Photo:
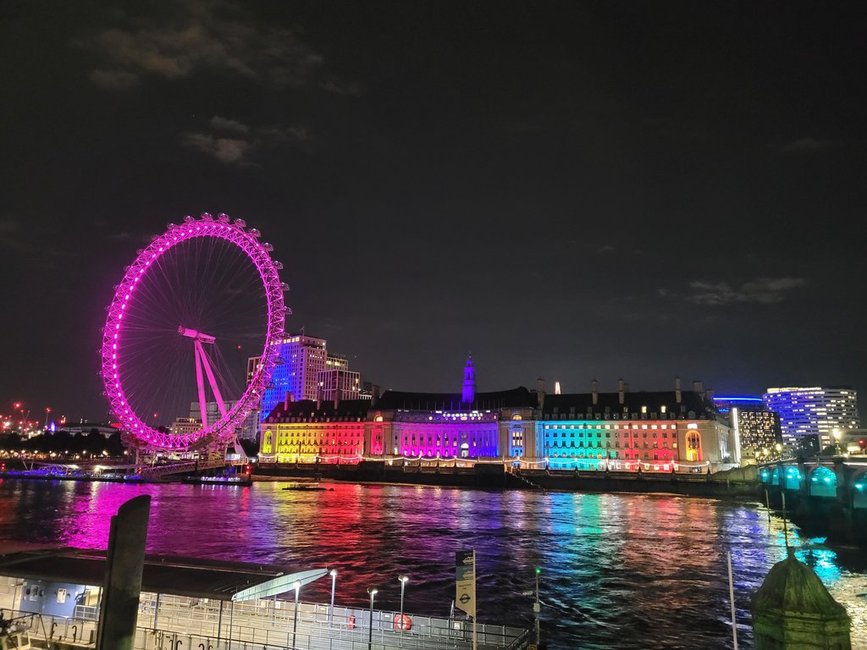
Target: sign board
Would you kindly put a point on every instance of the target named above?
(465, 581)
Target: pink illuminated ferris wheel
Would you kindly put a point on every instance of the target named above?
(194, 306)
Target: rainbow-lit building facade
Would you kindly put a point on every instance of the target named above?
(620, 431)
(309, 431)
(442, 425)
(632, 431)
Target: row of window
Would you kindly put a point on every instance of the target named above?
(607, 427)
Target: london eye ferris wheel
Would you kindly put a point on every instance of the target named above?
(192, 308)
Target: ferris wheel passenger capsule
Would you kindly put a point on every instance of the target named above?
(240, 223)
(278, 265)
(268, 247)
(205, 216)
(254, 232)
(285, 286)
(188, 218)
(224, 218)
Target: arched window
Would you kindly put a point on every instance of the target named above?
(693, 446)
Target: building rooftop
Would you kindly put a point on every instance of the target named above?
(177, 576)
(582, 404)
(306, 409)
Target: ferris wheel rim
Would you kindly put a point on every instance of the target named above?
(247, 241)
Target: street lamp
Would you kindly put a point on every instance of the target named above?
(297, 585)
(837, 435)
(372, 591)
(403, 580)
(333, 574)
(537, 607)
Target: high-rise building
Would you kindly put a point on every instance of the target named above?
(248, 429)
(814, 411)
(183, 426)
(336, 362)
(755, 428)
(339, 384)
(301, 358)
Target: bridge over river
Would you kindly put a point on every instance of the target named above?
(825, 495)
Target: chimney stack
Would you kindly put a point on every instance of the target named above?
(594, 387)
(697, 386)
(288, 399)
(677, 394)
(540, 391)
(620, 390)
(319, 396)
(337, 397)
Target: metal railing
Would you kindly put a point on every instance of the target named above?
(269, 622)
(180, 623)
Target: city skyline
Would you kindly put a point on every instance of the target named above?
(572, 192)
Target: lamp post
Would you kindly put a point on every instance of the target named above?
(403, 580)
(333, 574)
(297, 586)
(372, 591)
(537, 608)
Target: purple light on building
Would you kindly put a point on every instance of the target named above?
(468, 395)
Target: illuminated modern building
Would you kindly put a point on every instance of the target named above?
(340, 384)
(301, 359)
(814, 411)
(369, 391)
(182, 426)
(248, 429)
(756, 429)
(336, 362)
(652, 431)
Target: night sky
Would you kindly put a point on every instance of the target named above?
(568, 190)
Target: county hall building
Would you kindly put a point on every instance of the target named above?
(616, 431)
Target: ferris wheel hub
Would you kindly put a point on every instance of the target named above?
(195, 335)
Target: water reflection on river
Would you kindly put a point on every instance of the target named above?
(617, 570)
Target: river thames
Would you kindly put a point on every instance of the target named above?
(618, 571)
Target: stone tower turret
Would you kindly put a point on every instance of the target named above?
(468, 394)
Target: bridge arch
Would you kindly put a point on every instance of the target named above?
(823, 483)
(858, 481)
(793, 478)
(775, 475)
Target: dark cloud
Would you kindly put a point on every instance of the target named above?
(224, 124)
(764, 291)
(226, 150)
(352, 89)
(807, 145)
(232, 142)
(198, 35)
(114, 79)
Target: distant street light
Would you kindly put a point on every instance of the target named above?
(333, 574)
(372, 591)
(837, 435)
(297, 585)
(403, 580)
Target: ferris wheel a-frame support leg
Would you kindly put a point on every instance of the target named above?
(202, 364)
